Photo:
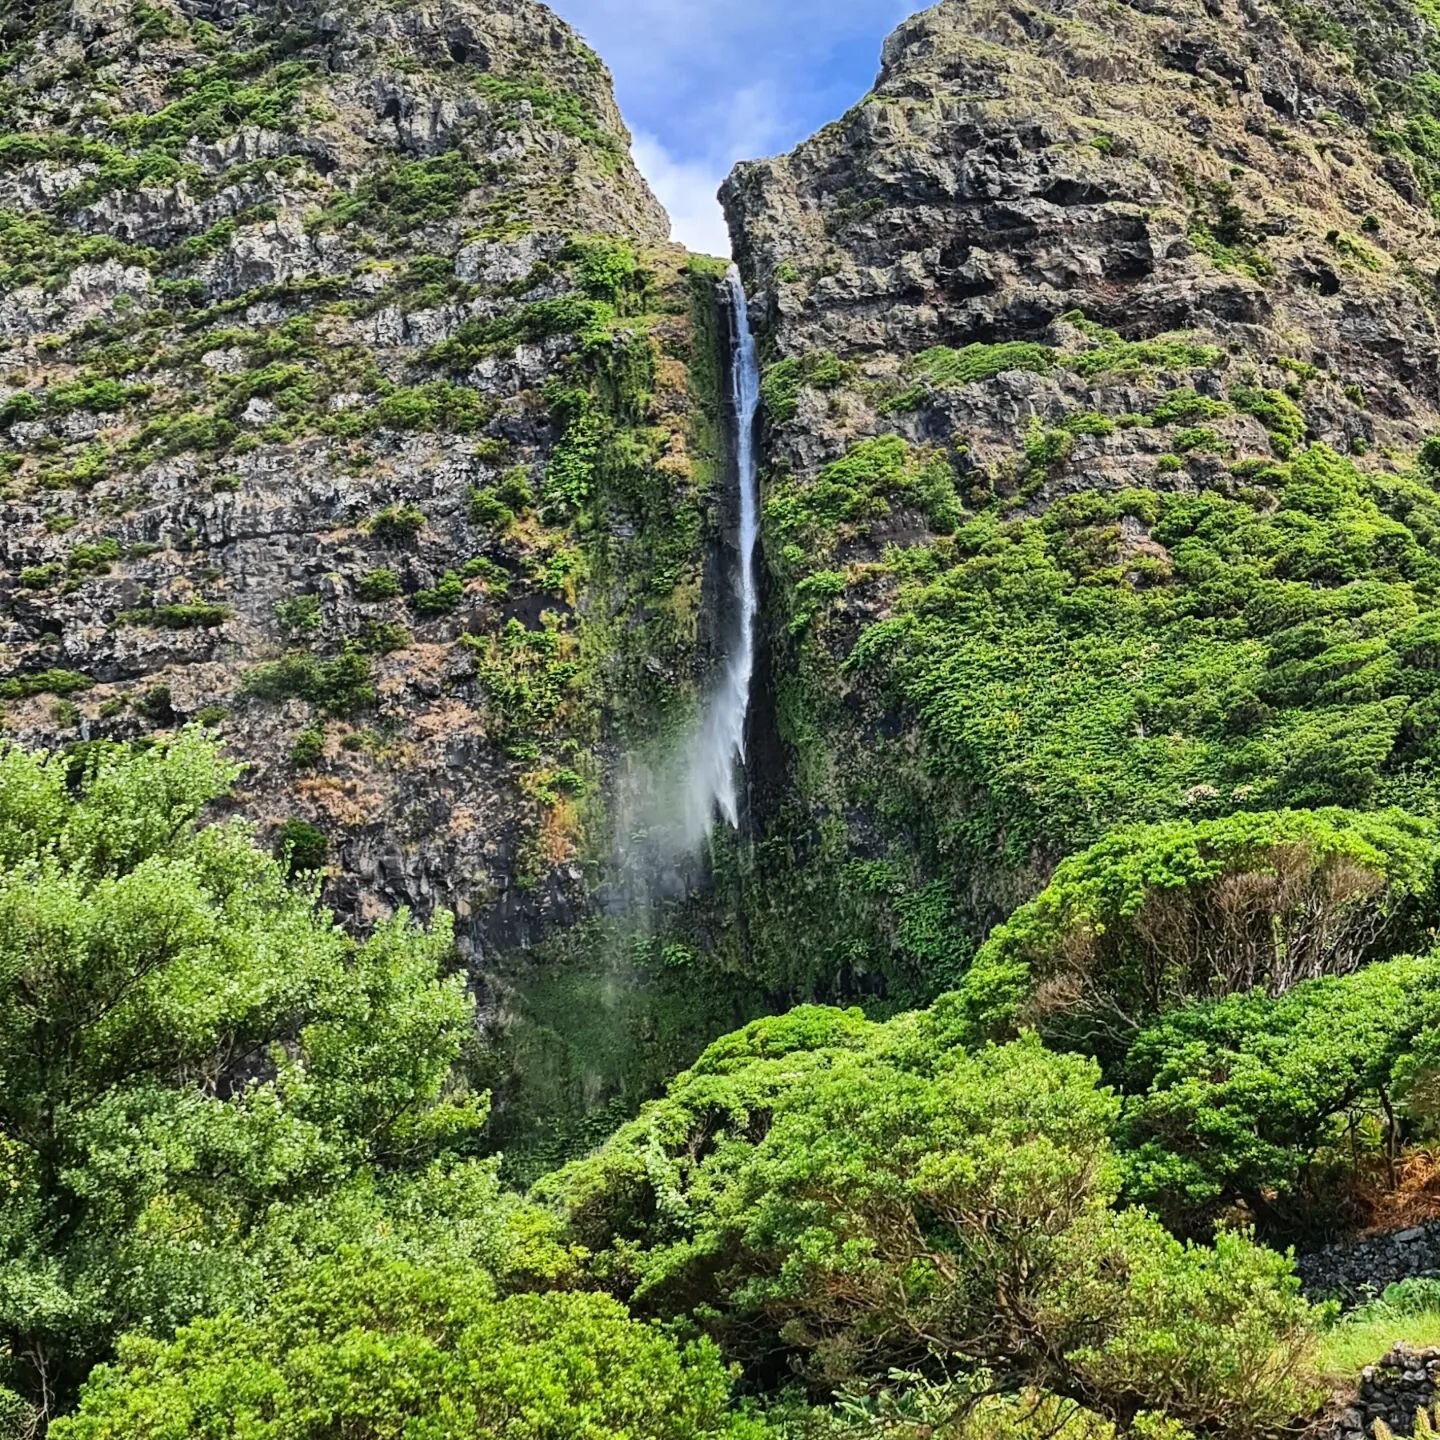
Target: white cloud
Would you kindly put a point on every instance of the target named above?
(686, 188)
(704, 85)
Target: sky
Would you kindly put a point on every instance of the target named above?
(704, 83)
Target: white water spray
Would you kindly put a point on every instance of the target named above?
(669, 803)
(718, 748)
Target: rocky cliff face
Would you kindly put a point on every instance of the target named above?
(352, 405)
(1102, 339)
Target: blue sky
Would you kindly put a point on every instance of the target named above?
(704, 83)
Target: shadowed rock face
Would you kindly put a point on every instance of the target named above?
(289, 333)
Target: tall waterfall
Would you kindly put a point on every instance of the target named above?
(718, 746)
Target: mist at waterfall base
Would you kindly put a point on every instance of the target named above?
(671, 804)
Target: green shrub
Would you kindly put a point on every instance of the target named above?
(487, 509)
(410, 193)
(438, 1343)
(396, 525)
(16, 407)
(1156, 916)
(301, 847)
(193, 615)
(41, 577)
(783, 381)
(443, 598)
(309, 748)
(301, 613)
(44, 682)
(154, 705)
(380, 584)
(338, 686)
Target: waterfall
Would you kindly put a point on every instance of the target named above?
(669, 803)
(718, 747)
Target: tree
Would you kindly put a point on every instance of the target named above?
(855, 1198)
(1232, 1100)
(186, 1044)
(369, 1353)
(1154, 916)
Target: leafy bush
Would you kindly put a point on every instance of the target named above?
(1156, 916)
(412, 192)
(191, 615)
(397, 524)
(44, 682)
(309, 748)
(1236, 1099)
(780, 388)
(443, 598)
(300, 847)
(299, 612)
(380, 584)
(858, 1196)
(435, 1344)
(338, 686)
(137, 952)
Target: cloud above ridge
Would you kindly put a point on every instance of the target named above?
(704, 85)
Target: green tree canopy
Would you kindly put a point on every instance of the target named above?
(186, 1043)
(856, 1197)
(373, 1352)
(1233, 1099)
(1154, 916)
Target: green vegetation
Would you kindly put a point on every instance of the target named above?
(191, 615)
(381, 584)
(337, 686)
(1408, 1313)
(141, 953)
(301, 847)
(44, 682)
(806, 522)
(783, 381)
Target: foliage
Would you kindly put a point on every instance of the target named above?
(190, 615)
(338, 686)
(396, 524)
(301, 847)
(1153, 916)
(1278, 655)
(1407, 1312)
(44, 682)
(806, 521)
(366, 1351)
(409, 192)
(863, 1196)
(783, 381)
(1235, 1099)
(378, 584)
(184, 1042)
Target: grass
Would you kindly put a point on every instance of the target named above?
(1408, 1313)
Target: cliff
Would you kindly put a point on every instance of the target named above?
(1102, 344)
(350, 407)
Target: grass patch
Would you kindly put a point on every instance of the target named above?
(1407, 1312)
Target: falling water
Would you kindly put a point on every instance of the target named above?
(718, 748)
(668, 804)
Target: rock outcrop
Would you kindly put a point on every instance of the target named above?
(1083, 326)
(347, 407)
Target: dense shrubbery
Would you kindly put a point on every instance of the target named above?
(242, 1138)
(1267, 656)
(1155, 917)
